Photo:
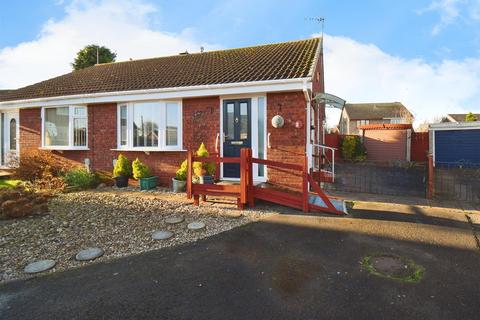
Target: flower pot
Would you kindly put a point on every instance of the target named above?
(206, 179)
(121, 181)
(148, 183)
(178, 185)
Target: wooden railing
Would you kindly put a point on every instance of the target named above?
(245, 192)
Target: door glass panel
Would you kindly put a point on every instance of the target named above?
(13, 135)
(243, 120)
(261, 135)
(230, 122)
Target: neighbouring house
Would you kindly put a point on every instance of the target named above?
(355, 115)
(157, 109)
(458, 117)
(455, 144)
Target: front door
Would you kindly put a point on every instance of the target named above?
(237, 127)
(9, 138)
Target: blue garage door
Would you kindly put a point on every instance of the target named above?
(457, 147)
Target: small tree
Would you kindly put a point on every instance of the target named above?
(87, 57)
(470, 117)
(122, 167)
(140, 170)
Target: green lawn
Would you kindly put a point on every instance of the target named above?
(9, 183)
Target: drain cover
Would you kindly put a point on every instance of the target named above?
(394, 267)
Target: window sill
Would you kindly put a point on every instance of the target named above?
(148, 150)
(65, 148)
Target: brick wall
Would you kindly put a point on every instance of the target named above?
(201, 123)
(367, 177)
(287, 143)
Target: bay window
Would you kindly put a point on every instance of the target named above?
(64, 127)
(149, 126)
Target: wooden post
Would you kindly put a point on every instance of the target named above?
(305, 184)
(217, 167)
(431, 178)
(243, 176)
(251, 201)
(189, 175)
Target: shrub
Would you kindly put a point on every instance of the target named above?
(181, 173)
(202, 168)
(81, 178)
(352, 148)
(21, 202)
(122, 167)
(43, 169)
(140, 170)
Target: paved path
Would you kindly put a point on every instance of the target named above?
(285, 267)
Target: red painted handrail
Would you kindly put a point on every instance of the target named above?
(246, 191)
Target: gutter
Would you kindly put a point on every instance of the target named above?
(160, 90)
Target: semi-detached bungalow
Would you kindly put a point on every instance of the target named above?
(157, 109)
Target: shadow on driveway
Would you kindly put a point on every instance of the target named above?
(284, 267)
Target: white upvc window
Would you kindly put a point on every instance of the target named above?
(65, 128)
(149, 126)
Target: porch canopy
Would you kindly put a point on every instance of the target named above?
(330, 100)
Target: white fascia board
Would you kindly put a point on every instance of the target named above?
(474, 125)
(165, 93)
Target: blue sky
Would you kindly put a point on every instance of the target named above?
(409, 51)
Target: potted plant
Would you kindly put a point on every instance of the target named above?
(204, 171)
(122, 171)
(142, 173)
(180, 180)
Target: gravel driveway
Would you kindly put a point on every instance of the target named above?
(119, 222)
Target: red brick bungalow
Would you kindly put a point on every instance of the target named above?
(157, 109)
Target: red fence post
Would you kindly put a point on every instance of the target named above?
(189, 174)
(243, 177)
(217, 167)
(251, 201)
(431, 178)
(305, 184)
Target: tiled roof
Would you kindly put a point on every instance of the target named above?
(372, 111)
(287, 60)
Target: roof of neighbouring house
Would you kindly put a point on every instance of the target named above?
(372, 111)
(287, 60)
(460, 117)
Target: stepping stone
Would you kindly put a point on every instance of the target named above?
(89, 254)
(196, 225)
(174, 220)
(40, 266)
(162, 235)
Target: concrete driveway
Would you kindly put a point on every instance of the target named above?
(285, 267)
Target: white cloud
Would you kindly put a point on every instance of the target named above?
(450, 11)
(121, 25)
(361, 72)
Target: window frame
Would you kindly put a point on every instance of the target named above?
(162, 127)
(71, 117)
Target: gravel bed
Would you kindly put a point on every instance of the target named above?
(120, 222)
